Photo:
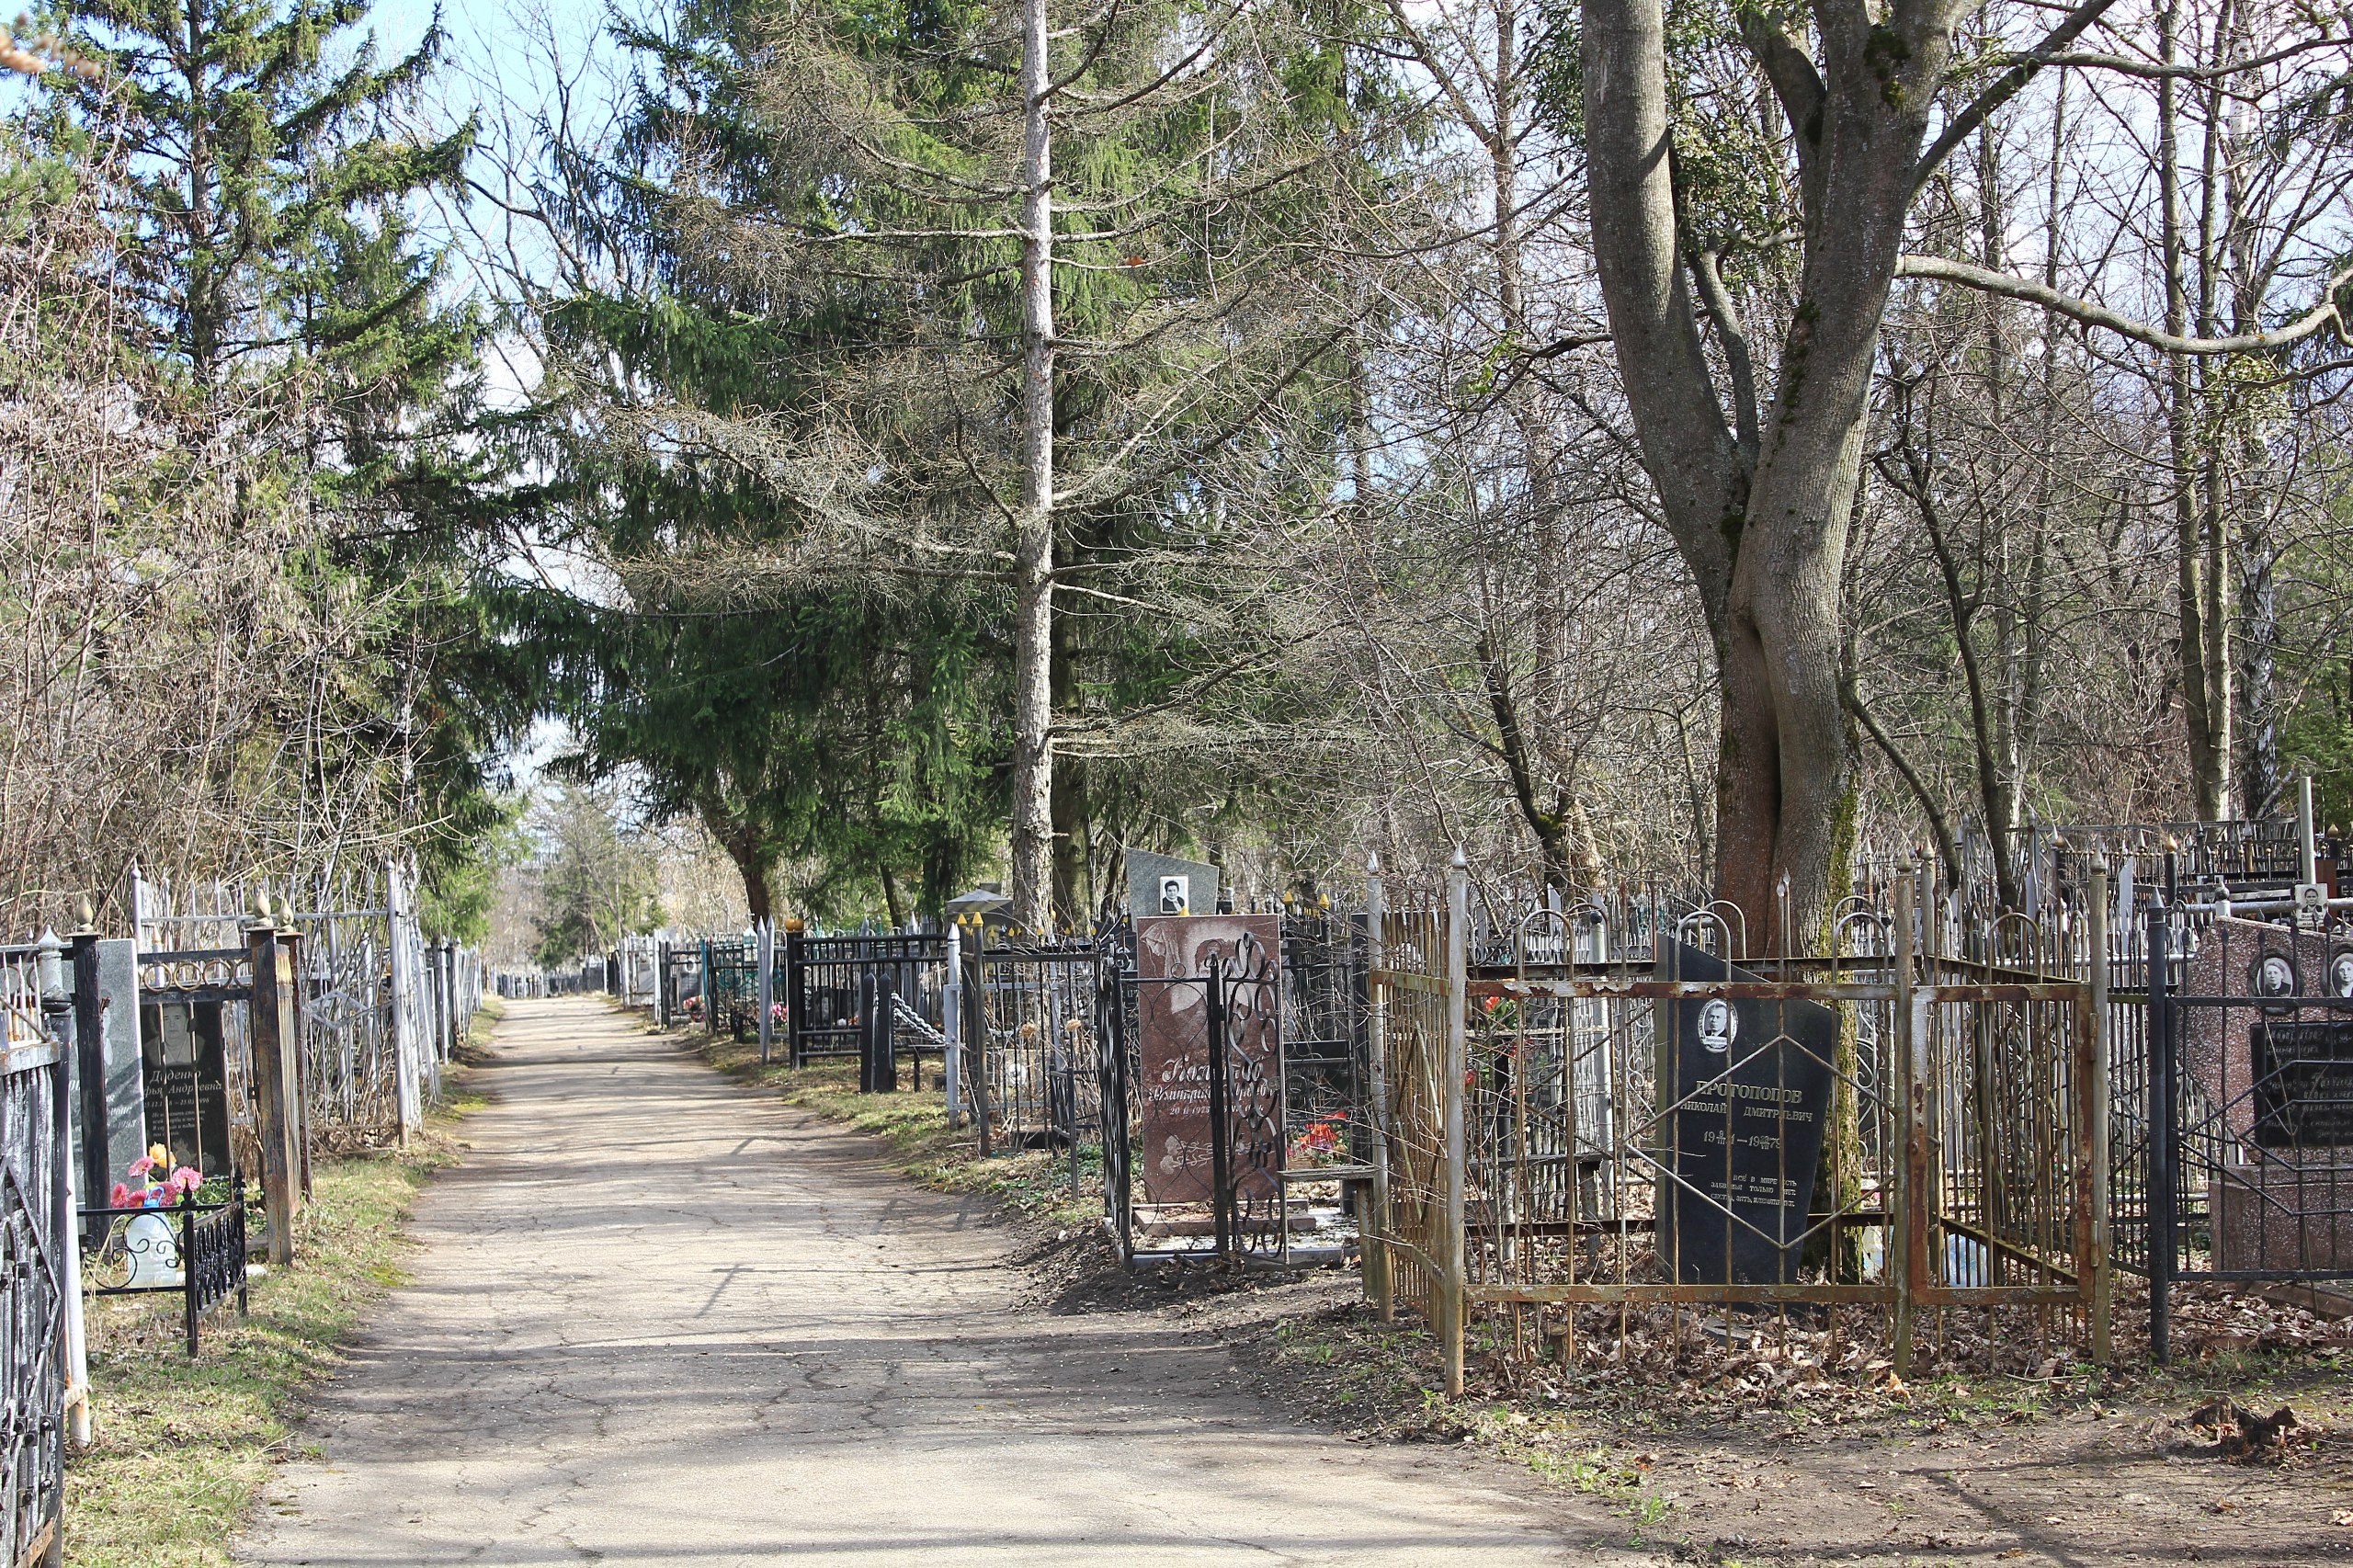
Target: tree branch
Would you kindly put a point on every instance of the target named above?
(1945, 271)
(1721, 314)
(2009, 84)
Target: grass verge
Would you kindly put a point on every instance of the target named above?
(183, 1448)
(917, 1141)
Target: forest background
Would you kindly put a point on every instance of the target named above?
(888, 445)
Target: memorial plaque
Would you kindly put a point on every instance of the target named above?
(1750, 1083)
(1173, 955)
(2257, 1035)
(2303, 1083)
(1162, 885)
(186, 1070)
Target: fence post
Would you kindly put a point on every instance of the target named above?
(289, 942)
(2161, 1133)
(1221, 1121)
(976, 1038)
(404, 1044)
(865, 1031)
(951, 1024)
(280, 1166)
(1906, 1237)
(795, 1001)
(764, 954)
(1452, 1286)
(2094, 1266)
(452, 1026)
(65, 1224)
(1372, 1228)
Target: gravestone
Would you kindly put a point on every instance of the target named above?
(1749, 1083)
(185, 1072)
(120, 1099)
(2274, 1067)
(1163, 884)
(1173, 954)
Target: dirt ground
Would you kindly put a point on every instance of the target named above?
(2069, 1469)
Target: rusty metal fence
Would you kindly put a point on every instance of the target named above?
(1595, 1111)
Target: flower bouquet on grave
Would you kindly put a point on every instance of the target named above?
(1323, 1141)
(694, 1009)
(142, 1246)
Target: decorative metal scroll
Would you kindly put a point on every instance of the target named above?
(32, 1296)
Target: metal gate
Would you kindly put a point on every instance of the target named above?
(1029, 1076)
(2250, 1107)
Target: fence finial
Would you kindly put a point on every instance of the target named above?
(1459, 858)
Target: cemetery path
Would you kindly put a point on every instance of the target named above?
(658, 1319)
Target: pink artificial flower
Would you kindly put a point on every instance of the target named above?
(144, 1164)
(120, 1197)
(187, 1178)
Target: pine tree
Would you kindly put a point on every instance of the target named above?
(269, 233)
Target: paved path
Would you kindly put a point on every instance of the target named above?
(658, 1319)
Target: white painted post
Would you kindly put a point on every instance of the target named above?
(951, 1021)
(764, 945)
(404, 1001)
(1452, 1286)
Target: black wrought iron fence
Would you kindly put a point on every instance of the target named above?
(1032, 1052)
(192, 1249)
(865, 994)
(36, 1249)
(2250, 1107)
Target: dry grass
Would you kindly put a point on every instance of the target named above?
(183, 1448)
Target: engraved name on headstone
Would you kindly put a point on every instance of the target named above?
(1749, 1083)
(1173, 954)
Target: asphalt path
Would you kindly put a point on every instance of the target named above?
(658, 1319)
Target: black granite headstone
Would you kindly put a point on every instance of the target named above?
(1749, 1083)
(2303, 1083)
(186, 1083)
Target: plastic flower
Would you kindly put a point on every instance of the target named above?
(160, 1155)
(120, 1197)
(145, 1165)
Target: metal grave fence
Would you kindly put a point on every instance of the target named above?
(1610, 1114)
(2250, 1108)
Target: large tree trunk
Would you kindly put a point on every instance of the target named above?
(1033, 548)
(1763, 527)
(752, 859)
